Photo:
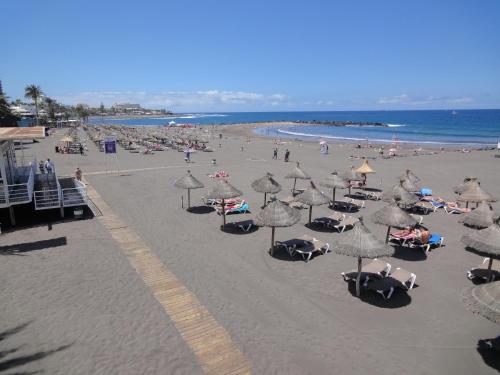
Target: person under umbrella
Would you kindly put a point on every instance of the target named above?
(484, 300)
(475, 194)
(334, 181)
(223, 190)
(364, 170)
(361, 243)
(312, 197)
(276, 214)
(266, 185)
(188, 182)
(485, 242)
(297, 173)
(482, 217)
(351, 175)
(393, 216)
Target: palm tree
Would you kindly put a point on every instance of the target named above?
(7, 118)
(34, 92)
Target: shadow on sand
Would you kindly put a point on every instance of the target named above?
(399, 298)
(18, 249)
(233, 228)
(9, 364)
(200, 210)
(487, 351)
(409, 254)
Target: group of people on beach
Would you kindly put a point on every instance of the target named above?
(275, 154)
(46, 166)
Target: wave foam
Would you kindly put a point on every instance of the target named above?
(395, 125)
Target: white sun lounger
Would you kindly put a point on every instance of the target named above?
(482, 272)
(400, 278)
(349, 221)
(375, 269)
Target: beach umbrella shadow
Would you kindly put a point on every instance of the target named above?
(400, 298)
(409, 254)
(201, 210)
(487, 351)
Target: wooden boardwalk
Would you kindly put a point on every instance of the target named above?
(209, 341)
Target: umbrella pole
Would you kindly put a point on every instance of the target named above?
(189, 199)
(223, 215)
(387, 236)
(466, 204)
(490, 272)
(349, 188)
(294, 183)
(265, 199)
(333, 198)
(272, 240)
(358, 279)
(310, 213)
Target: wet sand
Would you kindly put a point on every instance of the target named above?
(286, 316)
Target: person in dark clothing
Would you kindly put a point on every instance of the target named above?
(287, 155)
(275, 153)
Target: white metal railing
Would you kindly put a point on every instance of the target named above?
(45, 199)
(76, 196)
(18, 193)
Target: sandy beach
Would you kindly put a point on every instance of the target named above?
(81, 308)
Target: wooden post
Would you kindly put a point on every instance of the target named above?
(272, 240)
(310, 213)
(358, 279)
(388, 233)
(189, 199)
(223, 215)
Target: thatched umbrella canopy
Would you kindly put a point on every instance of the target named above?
(482, 217)
(475, 194)
(334, 181)
(365, 169)
(361, 243)
(188, 182)
(277, 214)
(297, 172)
(223, 190)
(312, 197)
(399, 195)
(393, 216)
(266, 185)
(409, 175)
(351, 175)
(459, 189)
(485, 242)
(484, 300)
(409, 185)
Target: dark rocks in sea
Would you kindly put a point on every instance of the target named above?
(343, 123)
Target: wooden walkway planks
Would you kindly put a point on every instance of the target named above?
(209, 341)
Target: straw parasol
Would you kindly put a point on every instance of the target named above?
(351, 175)
(266, 184)
(277, 214)
(475, 194)
(297, 172)
(365, 169)
(188, 182)
(459, 189)
(334, 181)
(361, 243)
(484, 300)
(410, 176)
(66, 139)
(393, 216)
(223, 190)
(399, 195)
(485, 242)
(481, 217)
(409, 185)
(312, 197)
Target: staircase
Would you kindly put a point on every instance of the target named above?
(47, 192)
(74, 193)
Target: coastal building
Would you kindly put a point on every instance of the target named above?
(126, 107)
(20, 184)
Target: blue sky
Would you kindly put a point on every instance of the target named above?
(256, 55)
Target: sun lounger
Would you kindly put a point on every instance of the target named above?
(244, 226)
(435, 240)
(481, 271)
(374, 195)
(335, 217)
(425, 207)
(402, 236)
(350, 204)
(304, 245)
(419, 218)
(454, 209)
(375, 269)
(386, 286)
(349, 221)
(292, 203)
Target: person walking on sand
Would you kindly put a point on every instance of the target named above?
(78, 174)
(275, 153)
(287, 155)
(81, 149)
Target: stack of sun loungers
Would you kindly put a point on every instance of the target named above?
(377, 276)
(304, 245)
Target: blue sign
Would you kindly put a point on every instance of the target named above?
(110, 145)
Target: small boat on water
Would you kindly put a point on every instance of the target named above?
(454, 113)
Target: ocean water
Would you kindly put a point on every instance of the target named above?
(433, 127)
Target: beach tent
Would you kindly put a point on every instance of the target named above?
(334, 181)
(276, 214)
(188, 182)
(223, 190)
(393, 216)
(361, 243)
(312, 197)
(266, 185)
(484, 300)
(297, 173)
